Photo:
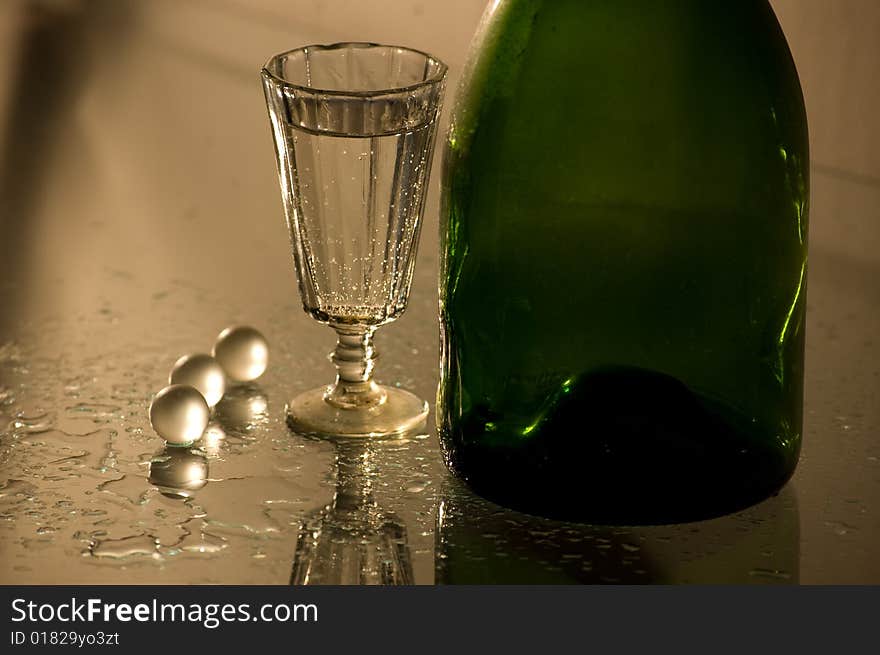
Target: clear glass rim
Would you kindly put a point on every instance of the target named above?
(434, 79)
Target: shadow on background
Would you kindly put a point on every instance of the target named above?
(478, 542)
(58, 47)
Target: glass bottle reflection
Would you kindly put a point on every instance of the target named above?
(478, 542)
(179, 472)
(352, 541)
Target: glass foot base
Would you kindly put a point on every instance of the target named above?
(401, 413)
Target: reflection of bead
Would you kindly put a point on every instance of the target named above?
(243, 408)
(179, 414)
(178, 472)
(212, 438)
(242, 352)
(202, 372)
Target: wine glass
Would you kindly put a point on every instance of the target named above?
(354, 126)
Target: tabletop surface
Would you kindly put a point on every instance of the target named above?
(140, 214)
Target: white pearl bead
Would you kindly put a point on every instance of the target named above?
(179, 414)
(202, 372)
(242, 352)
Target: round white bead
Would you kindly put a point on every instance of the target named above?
(202, 372)
(179, 414)
(242, 352)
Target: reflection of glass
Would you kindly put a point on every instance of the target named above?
(352, 540)
(179, 472)
(354, 127)
(478, 542)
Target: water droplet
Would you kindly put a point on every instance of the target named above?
(32, 425)
(203, 542)
(133, 489)
(125, 547)
(416, 486)
(99, 409)
(13, 487)
(773, 574)
(840, 528)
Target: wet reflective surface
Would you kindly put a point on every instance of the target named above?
(140, 215)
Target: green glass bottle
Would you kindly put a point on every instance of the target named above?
(624, 256)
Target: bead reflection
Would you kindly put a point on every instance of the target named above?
(242, 410)
(352, 541)
(179, 472)
(212, 439)
(479, 542)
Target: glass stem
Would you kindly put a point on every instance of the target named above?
(355, 358)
